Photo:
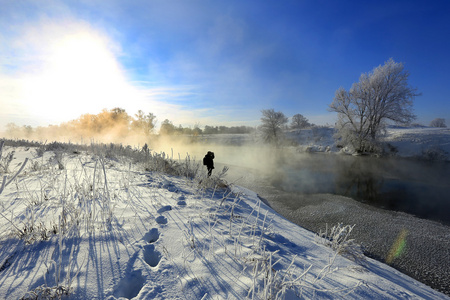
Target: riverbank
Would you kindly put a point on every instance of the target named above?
(425, 255)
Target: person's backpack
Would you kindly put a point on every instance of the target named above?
(205, 161)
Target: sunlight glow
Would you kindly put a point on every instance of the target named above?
(80, 75)
(63, 70)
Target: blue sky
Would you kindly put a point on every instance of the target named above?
(213, 62)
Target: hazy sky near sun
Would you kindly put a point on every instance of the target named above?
(213, 62)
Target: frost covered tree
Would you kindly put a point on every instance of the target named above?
(144, 123)
(379, 97)
(272, 125)
(299, 122)
(438, 122)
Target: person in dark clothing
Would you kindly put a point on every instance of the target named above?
(208, 162)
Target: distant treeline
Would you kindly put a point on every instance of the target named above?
(108, 126)
(114, 125)
(228, 130)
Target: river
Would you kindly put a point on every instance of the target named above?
(420, 188)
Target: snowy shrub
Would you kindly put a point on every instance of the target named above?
(215, 181)
(5, 182)
(337, 238)
(31, 232)
(6, 161)
(40, 151)
(434, 153)
(36, 166)
(56, 146)
(58, 158)
(44, 292)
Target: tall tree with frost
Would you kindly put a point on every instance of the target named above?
(380, 96)
(272, 125)
(299, 121)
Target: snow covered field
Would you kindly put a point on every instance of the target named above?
(107, 224)
(426, 142)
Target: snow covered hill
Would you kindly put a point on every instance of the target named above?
(107, 223)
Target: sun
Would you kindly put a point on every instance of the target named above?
(80, 74)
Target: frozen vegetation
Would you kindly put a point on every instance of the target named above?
(113, 222)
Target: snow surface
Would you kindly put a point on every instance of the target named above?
(412, 142)
(420, 142)
(104, 229)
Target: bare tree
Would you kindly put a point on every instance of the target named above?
(380, 96)
(272, 125)
(299, 122)
(144, 123)
(438, 122)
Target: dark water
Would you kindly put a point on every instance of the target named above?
(297, 186)
(420, 188)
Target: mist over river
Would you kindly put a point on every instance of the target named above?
(420, 188)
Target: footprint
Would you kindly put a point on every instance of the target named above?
(151, 256)
(168, 185)
(161, 220)
(152, 236)
(7, 262)
(164, 209)
(130, 286)
(181, 203)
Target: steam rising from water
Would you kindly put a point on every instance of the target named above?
(116, 126)
(241, 151)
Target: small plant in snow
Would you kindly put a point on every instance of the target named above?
(58, 158)
(40, 150)
(6, 160)
(35, 232)
(337, 238)
(44, 292)
(215, 181)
